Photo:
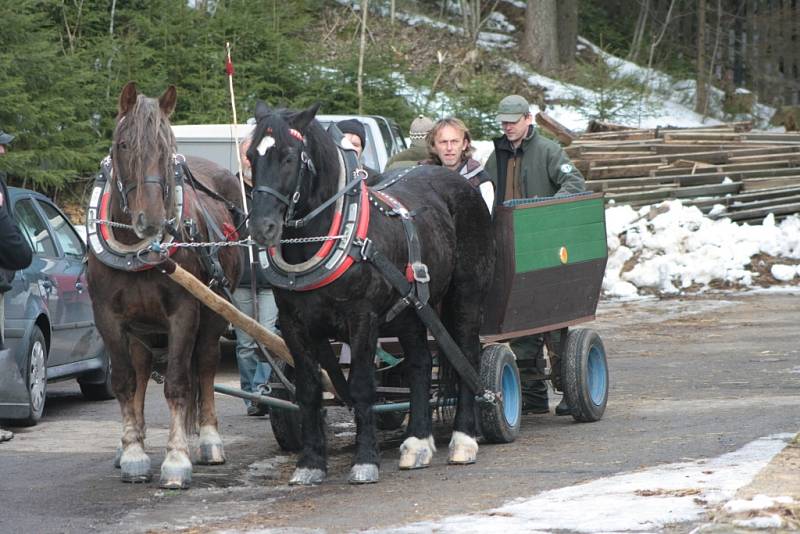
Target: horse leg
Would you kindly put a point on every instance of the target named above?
(176, 470)
(363, 342)
(311, 467)
(462, 319)
(210, 450)
(418, 448)
(131, 363)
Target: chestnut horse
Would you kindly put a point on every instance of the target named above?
(136, 311)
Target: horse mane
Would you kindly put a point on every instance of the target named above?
(146, 130)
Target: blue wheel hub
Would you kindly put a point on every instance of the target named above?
(596, 375)
(512, 396)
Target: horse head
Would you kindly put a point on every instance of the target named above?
(285, 169)
(142, 153)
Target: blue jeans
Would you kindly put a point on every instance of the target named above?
(252, 371)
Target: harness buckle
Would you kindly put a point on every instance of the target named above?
(420, 272)
(366, 248)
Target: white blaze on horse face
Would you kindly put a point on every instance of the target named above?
(265, 144)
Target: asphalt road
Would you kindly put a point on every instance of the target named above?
(689, 379)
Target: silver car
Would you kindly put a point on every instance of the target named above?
(49, 325)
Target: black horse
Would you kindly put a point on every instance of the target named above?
(297, 167)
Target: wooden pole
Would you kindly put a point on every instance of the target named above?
(273, 343)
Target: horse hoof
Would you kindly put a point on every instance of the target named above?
(176, 471)
(118, 457)
(303, 476)
(135, 465)
(463, 449)
(416, 453)
(210, 450)
(364, 474)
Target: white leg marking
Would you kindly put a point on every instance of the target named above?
(463, 449)
(416, 453)
(210, 450)
(176, 471)
(135, 464)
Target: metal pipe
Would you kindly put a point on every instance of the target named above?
(287, 405)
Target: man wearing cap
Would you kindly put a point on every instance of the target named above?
(15, 253)
(418, 150)
(525, 164)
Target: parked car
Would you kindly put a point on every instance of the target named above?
(215, 141)
(49, 324)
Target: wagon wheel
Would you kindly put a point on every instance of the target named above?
(500, 422)
(584, 375)
(285, 423)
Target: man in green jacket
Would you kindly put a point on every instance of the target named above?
(524, 164)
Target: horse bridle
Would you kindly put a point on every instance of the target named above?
(304, 163)
(125, 190)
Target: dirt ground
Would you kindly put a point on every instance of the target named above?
(689, 378)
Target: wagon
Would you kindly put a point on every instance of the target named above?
(551, 256)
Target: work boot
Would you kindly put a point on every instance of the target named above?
(563, 407)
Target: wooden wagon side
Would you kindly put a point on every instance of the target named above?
(551, 256)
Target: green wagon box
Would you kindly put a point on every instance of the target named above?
(551, 256)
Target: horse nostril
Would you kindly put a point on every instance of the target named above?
(140, 220)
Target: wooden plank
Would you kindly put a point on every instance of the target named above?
(755, 184)
(728, 168)
(687, 148)
(743, 198)
(708, 156)
(783, 209)
(598, 173)
(677, 192)
(649, 182)
(722, 136)
(564, 135)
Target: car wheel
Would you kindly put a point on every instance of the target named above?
(36, 376)
(99, 390)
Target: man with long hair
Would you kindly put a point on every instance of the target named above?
(450, 145)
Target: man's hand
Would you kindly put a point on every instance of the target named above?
(1, 199)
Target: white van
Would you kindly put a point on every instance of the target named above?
(215, 141)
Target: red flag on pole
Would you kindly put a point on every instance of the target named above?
(229, 66)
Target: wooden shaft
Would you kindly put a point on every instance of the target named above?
(273, 343)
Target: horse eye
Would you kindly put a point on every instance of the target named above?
(123, 145)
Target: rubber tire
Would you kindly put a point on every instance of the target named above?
(285, 423)
(500, 423)
(584, 375)
(99, 391)
(36, 372)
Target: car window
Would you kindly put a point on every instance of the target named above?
(400, 141)
(35, 228)
(386, 134)
(69, 240)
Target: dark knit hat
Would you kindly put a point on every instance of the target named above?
(354, 126)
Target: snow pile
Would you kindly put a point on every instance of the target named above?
(675, 249)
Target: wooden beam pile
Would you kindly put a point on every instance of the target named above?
(751, 173)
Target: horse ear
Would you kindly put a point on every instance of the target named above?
(262, 110)
(302, 119)
(127, 98)
(167, 101)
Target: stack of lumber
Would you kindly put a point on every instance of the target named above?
(749, 172)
